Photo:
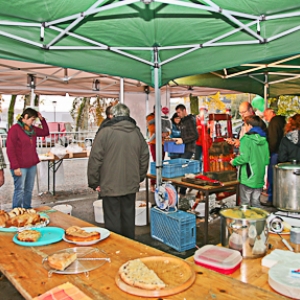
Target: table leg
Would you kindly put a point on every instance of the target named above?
(147, 200)
(206, 217)
(237, 199)
(49, 166)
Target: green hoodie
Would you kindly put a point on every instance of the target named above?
(253, 159)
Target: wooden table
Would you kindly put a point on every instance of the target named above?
(251, 271)
(23, 268)
(55, 162)
(206, 189)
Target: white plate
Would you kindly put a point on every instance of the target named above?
(104, 233)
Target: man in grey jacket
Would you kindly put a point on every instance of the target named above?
(117, 164)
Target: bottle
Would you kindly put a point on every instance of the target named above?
(218, 129)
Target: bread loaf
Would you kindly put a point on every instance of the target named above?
(23, 220)
(4, 216)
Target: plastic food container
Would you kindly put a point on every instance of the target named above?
(219, 259)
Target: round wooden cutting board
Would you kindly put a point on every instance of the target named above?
(177, 274)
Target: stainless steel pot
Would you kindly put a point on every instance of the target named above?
(245, 229)
(286, 182)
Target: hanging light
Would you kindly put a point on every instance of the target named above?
(96, 84)
(31, 81)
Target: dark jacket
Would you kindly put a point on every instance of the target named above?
(119, 158)
(275, 133)
(289, 148)
(189, 132)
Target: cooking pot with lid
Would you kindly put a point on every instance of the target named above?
(245, 229)
(286, 182)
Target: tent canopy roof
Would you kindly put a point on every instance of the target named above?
(130, 38)
(19, 78)
(275, 78)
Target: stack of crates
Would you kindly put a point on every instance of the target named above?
(175, 229)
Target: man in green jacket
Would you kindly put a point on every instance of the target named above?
(117, 164)
(252, 161)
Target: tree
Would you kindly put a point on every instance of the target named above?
(11, 110)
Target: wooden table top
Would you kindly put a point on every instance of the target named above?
(23, 268)
(69, 155)
(179, 182)
(251, 271)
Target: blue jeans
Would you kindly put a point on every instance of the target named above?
(198, 155)
(273, 162)
(23, 187)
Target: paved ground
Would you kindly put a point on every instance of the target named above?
(72, 189)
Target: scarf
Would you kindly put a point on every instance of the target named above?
(29, 130)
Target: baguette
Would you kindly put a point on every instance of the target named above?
(60, 261)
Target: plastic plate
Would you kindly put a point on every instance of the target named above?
(49, 235)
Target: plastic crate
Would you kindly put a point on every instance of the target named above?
(176, 229)
(172, 147)
(177, 167)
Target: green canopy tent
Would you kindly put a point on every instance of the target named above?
(267, 78)
(153, 41)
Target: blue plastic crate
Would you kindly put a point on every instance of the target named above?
(176, 229)
(177, 167)
(172, 147)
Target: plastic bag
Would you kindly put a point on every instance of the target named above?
(59, 150)
(74, 148)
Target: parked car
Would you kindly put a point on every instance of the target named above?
(3, 135)
(60, 133)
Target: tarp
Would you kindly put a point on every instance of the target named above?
(153, 41)
(15, 78)
(268, 78)
(131, 38)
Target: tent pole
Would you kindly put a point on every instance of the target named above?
(32, 96)
(266, 86)
(158, 144)
(122, 90)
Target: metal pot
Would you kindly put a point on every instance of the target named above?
(286, 182)
(245, 229)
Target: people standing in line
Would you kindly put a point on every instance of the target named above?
(189, 135)
(175, 133)
(245, 110)
(2, 167)
(22, 155)
(252, 161)
(289, 148)
(118, 163)
(166, 130)
(275, 133)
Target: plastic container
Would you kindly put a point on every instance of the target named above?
(177, 167)
(219, 259)
(140, 212)
(65, 208)
(176, 229)
(172, 147)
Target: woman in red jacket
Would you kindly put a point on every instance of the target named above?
(22, 155)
